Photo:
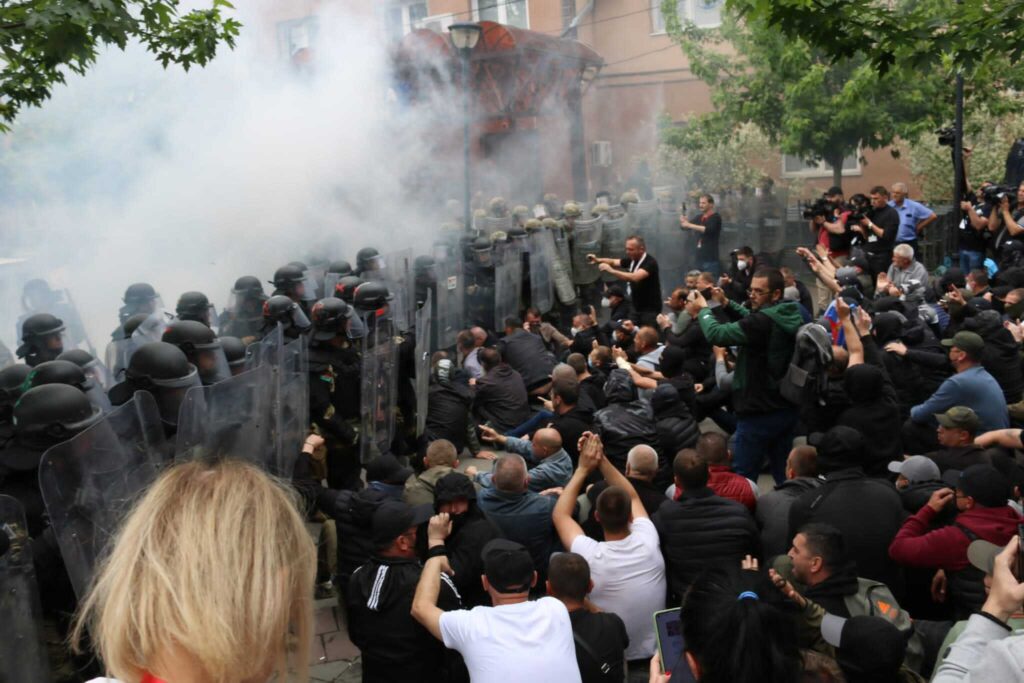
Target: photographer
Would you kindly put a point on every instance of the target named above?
(973, 231)
(827, 218)
(877, 229)
(1003, 221)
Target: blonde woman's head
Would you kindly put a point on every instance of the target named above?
(213, 570)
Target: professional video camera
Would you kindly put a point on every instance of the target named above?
(858, 206)
(820, 207)
(947, 136)
(993, 195)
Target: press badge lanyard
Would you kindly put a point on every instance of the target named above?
(633, 266)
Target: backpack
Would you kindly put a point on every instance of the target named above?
(807, 375)
(874, 599)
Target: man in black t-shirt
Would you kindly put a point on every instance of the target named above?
(974, 233)
(709, 225)
(639, 270)
(601, 638)
(876, 232)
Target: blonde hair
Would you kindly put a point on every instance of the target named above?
(214, 562)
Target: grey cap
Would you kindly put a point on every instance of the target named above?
(982, 554)
(916, 468)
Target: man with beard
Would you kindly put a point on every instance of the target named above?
(455, 495)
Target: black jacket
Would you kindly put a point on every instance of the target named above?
(677, 429)
(526, 354)
(571, 426)
(626, 421)
(448, 411)
(593, 386)
(501, 399)
(352, 511)
(470, 533)
(867, 511)
(875, 414)
(832, 592)
(703, 530)
(651, 497)
(772, 514)
(1001, 356)
(393, 645)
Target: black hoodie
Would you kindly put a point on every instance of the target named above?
(875, 414)
(1001, 356)
(626, 421)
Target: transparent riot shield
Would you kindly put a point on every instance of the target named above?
(90, 482)
(586, 239)
(118, 353)
(379, 390)
(152, 328)
(234, 418)
(492, 224)
(670, 249)
(614, 232)
(291, 405)
(315, 275)
(508, 280)
(59, 303)
(542, 258)
(22, 649)
(399, 279)
(643, 217)
(422, 359)
(450, 304)
(561, 271)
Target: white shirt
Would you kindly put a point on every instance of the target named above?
(629, 580)
(529, 642)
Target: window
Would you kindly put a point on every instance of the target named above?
(296, 35)
(404, 17)
(702, 13)
(794, 166)
(511, 12)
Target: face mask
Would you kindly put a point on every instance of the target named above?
(606, 303)
(590, 364)
(741, 265)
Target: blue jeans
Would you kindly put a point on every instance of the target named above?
(531, 425)
(768, 435)
(971, 260)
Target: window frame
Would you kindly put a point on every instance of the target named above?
(689, 8)
(502, 7)
(408, 25)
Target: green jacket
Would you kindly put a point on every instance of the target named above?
(765, 341)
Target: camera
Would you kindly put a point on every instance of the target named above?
(993, 195)
(821, 207)
(947, 136)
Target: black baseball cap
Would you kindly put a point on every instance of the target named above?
(615, 290)
(507, 566)
(393, 518)
(866, 644)
(386, 468)
(984, 483)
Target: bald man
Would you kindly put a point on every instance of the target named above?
(550, 466)
(641, 466)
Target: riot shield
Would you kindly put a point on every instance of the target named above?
(643, 217)
(586, 239)
(62, 305)
(670, 249)
(291, 405)
(614, 232)
(399, 279)
(232, 418)
(492, 224)
(22, 649)
(379, 390)
(561, 270)
(152, 328)
(542, 256)
(451, 289)
(118, 353)
(422, 360)
(508, 279)
(90, 482)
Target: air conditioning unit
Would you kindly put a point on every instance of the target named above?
(601, 153)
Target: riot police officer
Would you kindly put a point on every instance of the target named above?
(41, 339)
(243, 317)
(480, 290)
(11, 379)
(195, 306)
(163, 370)
(91, 366)
(369, 264)
(290, 281)
(201, 347)
(138, 298)
(234, 352)
(281, 309)
(335, 366)
(66, 372)
(424, 279)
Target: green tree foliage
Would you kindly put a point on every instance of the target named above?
(42, 40)
(712, 156)
(807, 103)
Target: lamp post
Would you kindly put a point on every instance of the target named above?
(464, 38)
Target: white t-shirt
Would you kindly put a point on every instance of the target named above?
(529, 642)
(629, 580)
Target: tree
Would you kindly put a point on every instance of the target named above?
(712, 159)
(975, 37)
(41, 40)
(806, 102)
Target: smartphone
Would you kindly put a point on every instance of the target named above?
(1020, 554)
(669, 631)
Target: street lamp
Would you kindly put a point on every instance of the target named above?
(464, 38)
